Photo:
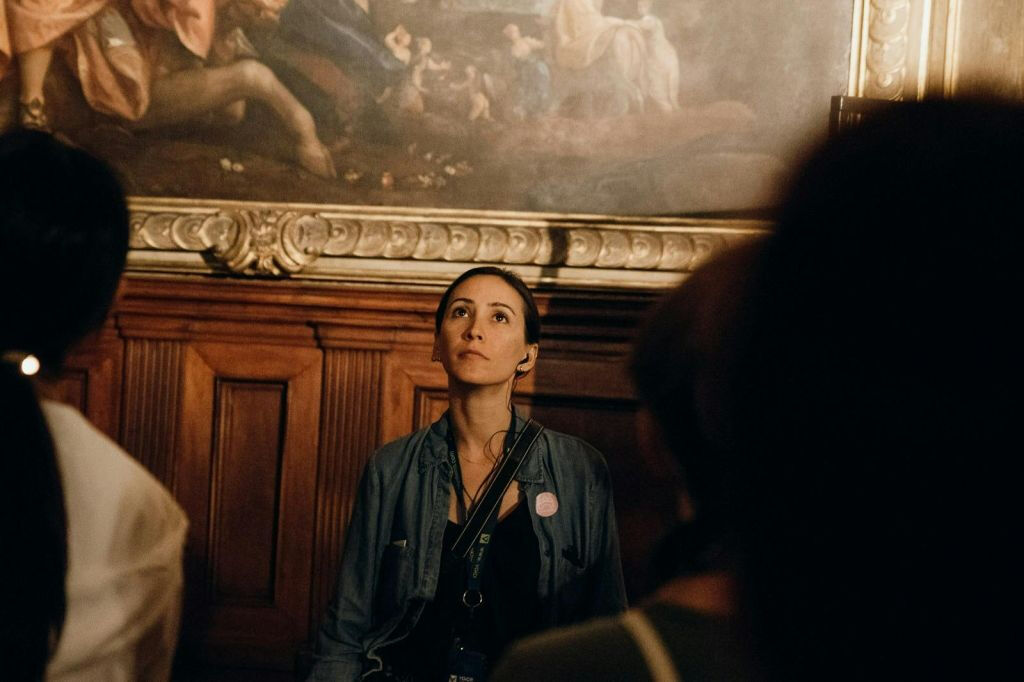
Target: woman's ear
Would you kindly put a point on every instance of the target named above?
(529, 359)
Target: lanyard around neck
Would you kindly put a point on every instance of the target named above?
(479, 527)
(456, 466)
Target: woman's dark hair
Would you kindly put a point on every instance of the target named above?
(530, 313)
(878, 403)
(64, 238)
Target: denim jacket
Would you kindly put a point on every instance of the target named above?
(392, 555)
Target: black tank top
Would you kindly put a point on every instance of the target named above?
(511, 607)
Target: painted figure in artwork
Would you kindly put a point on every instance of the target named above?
(128, 67)
(534, 75)
(425, 62)
(343, 31)
(662, 73)
(615, 47)
(398, 41)
(473, 87)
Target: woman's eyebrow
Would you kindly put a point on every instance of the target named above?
(499, 304)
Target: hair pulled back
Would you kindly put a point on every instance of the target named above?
(64, 237)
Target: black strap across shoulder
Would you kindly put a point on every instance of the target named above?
(487, 508)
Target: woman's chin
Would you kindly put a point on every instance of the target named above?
(476, 380)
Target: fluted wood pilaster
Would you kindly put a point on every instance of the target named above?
(349, 434)
(151, 404)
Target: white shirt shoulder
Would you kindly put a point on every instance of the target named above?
(125, 539)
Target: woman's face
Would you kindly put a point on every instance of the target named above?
(483, 333)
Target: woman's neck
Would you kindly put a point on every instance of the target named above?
(478, 415)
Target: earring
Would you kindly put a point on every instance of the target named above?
(435, 356)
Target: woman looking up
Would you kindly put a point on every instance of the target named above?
(404, 608)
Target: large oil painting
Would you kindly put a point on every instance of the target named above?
(614, 107)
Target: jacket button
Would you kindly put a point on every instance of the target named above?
(547, 552)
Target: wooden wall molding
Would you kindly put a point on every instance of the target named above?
(250, 431)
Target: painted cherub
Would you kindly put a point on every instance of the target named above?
(662, 73)
(425, 62)
(473, 85)
(534, 75)
(398, 41)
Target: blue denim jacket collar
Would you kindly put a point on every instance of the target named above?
(435, 452)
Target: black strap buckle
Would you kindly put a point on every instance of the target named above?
(472, 598)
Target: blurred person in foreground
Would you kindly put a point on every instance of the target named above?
(91, 541)
(874, 412)
(863, 416)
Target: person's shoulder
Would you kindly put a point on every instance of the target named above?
(573, 452)
(393, 454)
(578, 652)
(107, 492)
(84, 449)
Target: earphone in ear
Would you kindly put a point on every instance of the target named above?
(519, 367)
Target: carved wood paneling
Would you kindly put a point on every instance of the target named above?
(248, 434)
(247, 472)
(71, 388)
(348, 436)
(91, 380)
(152, 404)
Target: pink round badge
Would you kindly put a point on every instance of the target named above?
(547, 504)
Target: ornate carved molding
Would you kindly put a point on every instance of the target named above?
(267, 240)
(888, 41)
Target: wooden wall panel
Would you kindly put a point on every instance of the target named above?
(248, 437)
(348, 436)
(152, 404)
(247, 479)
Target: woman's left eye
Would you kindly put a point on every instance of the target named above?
(501, 317)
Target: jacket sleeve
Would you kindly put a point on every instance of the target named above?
(607, 588)
(339, 650)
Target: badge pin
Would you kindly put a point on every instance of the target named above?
(547, 504)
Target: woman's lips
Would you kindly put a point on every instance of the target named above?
(473, 353)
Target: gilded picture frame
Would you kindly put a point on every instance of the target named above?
(885, 54)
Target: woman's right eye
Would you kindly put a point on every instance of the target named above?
(459, 311)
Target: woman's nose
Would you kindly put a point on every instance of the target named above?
(474, 330)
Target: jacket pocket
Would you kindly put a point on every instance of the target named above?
(572, 591)
(394, 568)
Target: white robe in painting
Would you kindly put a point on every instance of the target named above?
(584, 35)
(662, 72)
